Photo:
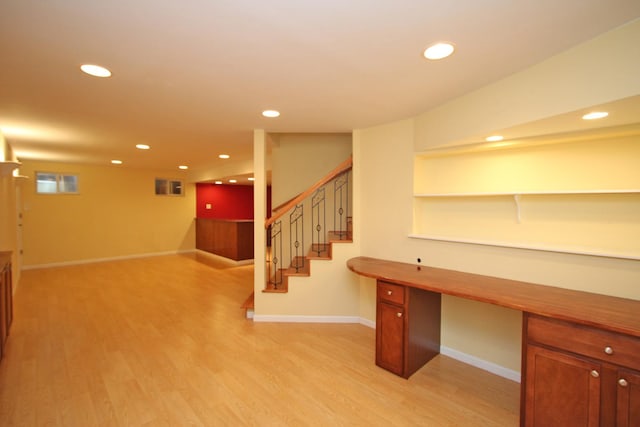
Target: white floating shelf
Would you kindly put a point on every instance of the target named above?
(530, 193)
(545, 248)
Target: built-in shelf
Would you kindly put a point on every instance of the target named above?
(517, 195)
(578, 197)
(534, 247)
(530, 193)
(7, 167)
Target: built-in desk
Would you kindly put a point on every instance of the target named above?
(580, 354)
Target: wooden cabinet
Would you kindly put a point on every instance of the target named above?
(581, 351)
(6, 300)
(231, 239)
(407, 327)
(628, 398)
(575, 375)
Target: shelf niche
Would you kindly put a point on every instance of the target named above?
(581, 197)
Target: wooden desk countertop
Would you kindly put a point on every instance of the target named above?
(605, 312)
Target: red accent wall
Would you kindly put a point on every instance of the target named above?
(227, 201)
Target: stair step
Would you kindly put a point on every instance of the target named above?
(320, 251)
(248, 304)
(282, 287)
(340, 237)
(303, 270)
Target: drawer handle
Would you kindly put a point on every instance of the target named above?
(622, 382)
(595, 374)
(389, 292)
(608, 350)
(399, 314)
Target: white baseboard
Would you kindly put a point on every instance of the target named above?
(446, 351)
(366, 322)
(94, 260)
(304, 319)
(221, 258)
(480, 363)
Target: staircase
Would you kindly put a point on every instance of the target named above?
(327, 201)
(301, 266)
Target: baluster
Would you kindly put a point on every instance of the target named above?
(318, 221)
(276, 254)
(296, 238)
(341, 205)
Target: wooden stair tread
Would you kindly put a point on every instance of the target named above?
(320, 251)
(248, 304)
(304, 270)
(339, 237)
(272, 290)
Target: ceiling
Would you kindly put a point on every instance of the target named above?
(191, 78)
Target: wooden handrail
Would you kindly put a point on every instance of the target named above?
(341, 168)
(283, 204)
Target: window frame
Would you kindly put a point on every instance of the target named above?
(167, 187)
(59, 182)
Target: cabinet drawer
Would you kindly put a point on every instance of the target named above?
(390, 292)
(602, 345)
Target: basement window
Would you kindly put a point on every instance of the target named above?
(56, 183)
(169, 187)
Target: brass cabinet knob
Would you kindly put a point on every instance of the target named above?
(389, 292)
(595, 374)
(608, 350)
(622, 382)
(399, 314)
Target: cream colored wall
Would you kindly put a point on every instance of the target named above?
(601, 70)
(300, 160)
(116, 214)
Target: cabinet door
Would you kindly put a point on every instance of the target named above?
(561, 390)
(628, 406)
(390, 330)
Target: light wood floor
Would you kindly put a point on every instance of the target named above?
(162, 342)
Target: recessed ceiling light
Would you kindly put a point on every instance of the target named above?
(116, 162)
(439, 51)
(95, 70)
(142, 146)
(224, 156)
(271, 113)
(183, 167)
(218, 182)
(595, 115)
(233, 181)
(494, 138)
(251, 178)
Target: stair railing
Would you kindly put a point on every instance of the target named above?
(318, 230)
(274, 256)
(296, 238)
(341, 208)
(318, 222)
